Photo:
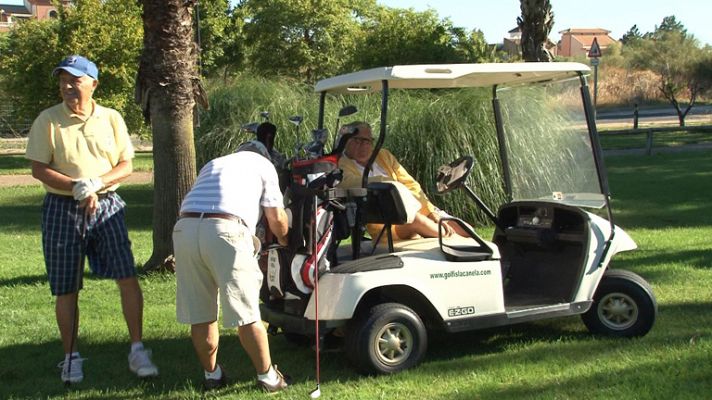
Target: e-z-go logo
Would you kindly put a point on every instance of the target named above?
(460, 311)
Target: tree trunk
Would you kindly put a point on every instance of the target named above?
(165, 89)
(535, 24)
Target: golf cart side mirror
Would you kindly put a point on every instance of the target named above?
(452, 176)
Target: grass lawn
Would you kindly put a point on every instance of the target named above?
(19, 165)
(660, 139)
(662, 201)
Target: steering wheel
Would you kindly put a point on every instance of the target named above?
(453, 175)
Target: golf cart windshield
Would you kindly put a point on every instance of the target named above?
(548, 145)
(544, 137)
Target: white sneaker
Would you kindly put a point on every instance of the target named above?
(73, 374)
(140, 363)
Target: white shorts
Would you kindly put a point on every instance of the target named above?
(215, 262)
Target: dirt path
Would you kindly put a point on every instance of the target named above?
(28, 180)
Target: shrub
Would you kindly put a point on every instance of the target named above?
(426, 129)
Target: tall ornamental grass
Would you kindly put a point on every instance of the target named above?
(425, 129)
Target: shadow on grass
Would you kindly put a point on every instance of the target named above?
(106, 373)
(697, 258)
(452, 355)
(661, 191)
(31, 280)
(484, 352)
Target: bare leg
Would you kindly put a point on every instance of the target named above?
(206, 338)
(253, 338)
(458, 229)
(64, 307)
(132, 306)
(421, 225)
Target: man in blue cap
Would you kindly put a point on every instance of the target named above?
(80, 151)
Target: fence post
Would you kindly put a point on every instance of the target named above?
(649, 142)
(635, 116)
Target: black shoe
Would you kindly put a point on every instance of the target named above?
(214, 384)
(283, 382)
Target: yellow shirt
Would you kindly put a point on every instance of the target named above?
(79, 146)
(394, 171)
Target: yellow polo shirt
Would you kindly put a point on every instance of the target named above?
(79, 146)
(395, 172)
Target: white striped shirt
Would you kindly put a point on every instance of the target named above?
(236, 184)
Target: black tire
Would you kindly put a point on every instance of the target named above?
(624, 306)
(385, 339)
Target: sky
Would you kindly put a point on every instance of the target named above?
(497, 17)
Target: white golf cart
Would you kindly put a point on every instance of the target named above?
(548, 257)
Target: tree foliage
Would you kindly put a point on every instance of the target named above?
(676, 57)
(219, 36)
(405, 36)
(306, 38)
(632, 36)
(106, 31)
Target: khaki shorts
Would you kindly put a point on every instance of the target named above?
(216, 264)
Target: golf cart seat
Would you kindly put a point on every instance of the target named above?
(386, 204)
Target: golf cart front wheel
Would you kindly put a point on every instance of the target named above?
(388, 338)
(624, 306)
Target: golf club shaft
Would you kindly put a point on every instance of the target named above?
(75, 313)
(316, 289)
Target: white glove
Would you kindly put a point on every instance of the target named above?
(83, 188)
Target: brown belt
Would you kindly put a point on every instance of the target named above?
(200, 215)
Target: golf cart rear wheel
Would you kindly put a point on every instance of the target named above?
(387, 338)
(624, 306)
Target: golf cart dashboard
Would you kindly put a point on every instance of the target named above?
(535, 217)
(542, 223)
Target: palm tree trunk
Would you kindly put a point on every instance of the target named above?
(535, 24)
(165, 87)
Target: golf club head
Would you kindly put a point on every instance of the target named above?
(320, 135)
(316, 393)
(265, 115)
(251, 127)
(347, 110)
(296, 119)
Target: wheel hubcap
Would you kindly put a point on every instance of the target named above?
(394, 343)
(618, 311)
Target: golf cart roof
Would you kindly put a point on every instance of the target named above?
(436, 76)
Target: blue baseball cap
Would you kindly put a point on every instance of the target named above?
(78, 66)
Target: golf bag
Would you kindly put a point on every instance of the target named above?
(317, 220)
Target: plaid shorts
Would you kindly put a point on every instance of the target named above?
(67, 238)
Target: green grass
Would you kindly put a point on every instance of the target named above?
(662, 201)
(19, 165)
(660, 139)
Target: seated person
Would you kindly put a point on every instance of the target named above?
(357, 151)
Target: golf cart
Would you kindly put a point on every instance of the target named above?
(553, 240)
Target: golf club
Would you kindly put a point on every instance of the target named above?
(297, 120)
(265, 116)
(343, 112)
(316, 393)
(80, 270)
